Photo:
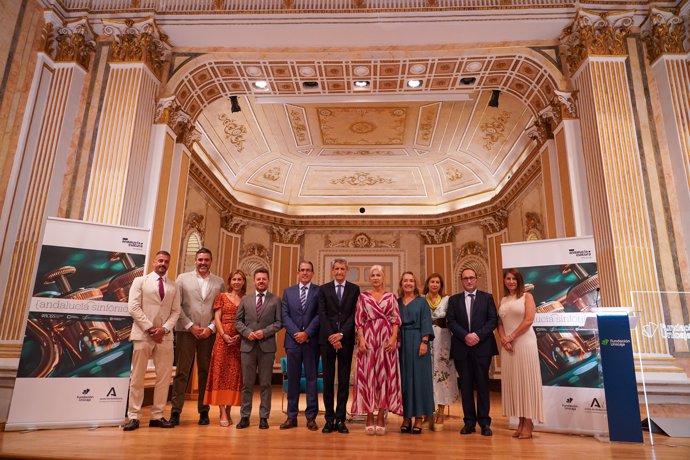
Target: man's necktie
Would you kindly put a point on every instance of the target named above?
(339, 291)
(161, 289)
(259, 304)
(469, 312)
(303, 298)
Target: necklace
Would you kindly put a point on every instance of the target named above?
(433, 305)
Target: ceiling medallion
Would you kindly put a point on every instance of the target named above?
(362, 127)
(361, 179)
(474, 66)
(233, 132)
(361, 70)
(252, 71)
(307, 71)
(417, 69)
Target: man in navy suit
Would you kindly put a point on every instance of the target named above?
(337, 303)
(301, 322)
(472, 318)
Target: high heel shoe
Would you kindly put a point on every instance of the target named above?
(370, 430)
(406, 427)
(436, 426)
(526, 431)
(380, 430)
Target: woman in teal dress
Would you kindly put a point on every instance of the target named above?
(415, 359)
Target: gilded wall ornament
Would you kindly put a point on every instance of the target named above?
(168, 111)
(69, 42)
(272, 174)
(663, 33)
(437, 235)
(361, 179)
(232, 224)
(234, 132)
(534, 230)
(540, 130)
(194, 221)
(255, 250)
(472, 248)
(362, 240)
(453, 174)
(596, 34)
(426, 124)
(362, 125)
(494, 128)
(362, 152)
(564, 106)
(138, 42)
(252, 257)
(495, 222)
(298, 122)
(287, 235)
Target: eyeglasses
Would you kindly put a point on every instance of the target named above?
(469, 278)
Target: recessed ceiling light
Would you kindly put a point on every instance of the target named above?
(261, 84)
(414, 83)
(361, 83)
(468, 80)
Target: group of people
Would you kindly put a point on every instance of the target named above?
(416, 353)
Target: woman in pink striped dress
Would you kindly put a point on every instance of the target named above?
(377, 381)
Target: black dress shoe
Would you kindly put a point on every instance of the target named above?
(289, 423)
(132, 425)
(175, 418)
(263, 423)
(328, 427)
(467, 429)
(342, 428)
(160, 423)
(244, 423)
(311, 424)
(203, 418)
(486, 431)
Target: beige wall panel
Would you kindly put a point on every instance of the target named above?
(550, 217)
(178, 224)
(564, 179)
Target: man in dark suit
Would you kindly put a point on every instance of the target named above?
(257, 321)
(337, 302)
(301, 321)
(471, 319)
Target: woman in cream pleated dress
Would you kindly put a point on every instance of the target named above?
(521, 392)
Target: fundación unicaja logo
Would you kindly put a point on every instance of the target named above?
(605, 342)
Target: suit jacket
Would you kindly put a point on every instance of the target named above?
(269, 322)
(148, 310)
(335, 316)
(484, 321)
(295, 320)
(196, 309)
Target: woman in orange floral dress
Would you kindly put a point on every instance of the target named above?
(224, 386)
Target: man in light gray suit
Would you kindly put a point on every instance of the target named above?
(195, 331)
(258, 321)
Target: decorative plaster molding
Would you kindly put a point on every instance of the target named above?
(495, 222)
(494, 128)
(361, 179)
(362, 240)
(234, 132)
(138, 42)
(287, 235)
(194, 221)
(664, 33)
(437, 236)
(540, 130)
(255, 250)
(73, 41)
(534, 230)
(593, 33)
(168, 111)
(231, 223)
(563, 106)
(472, 248)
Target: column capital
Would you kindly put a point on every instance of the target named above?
(287, 235)
(168, 111)
(232, 224)
(139, 41)
(438, 235)
(664, 33)
(594, 33)
(495, 222)
(540, 130)
(71, 41)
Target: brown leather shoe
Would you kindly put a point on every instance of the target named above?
(289, 423)
(311, 425)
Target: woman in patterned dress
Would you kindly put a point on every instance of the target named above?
(377, 380)
(444, 374)
(224, 387)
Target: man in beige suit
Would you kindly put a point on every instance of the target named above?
(258, 321)
(154, 304)
(195, 331)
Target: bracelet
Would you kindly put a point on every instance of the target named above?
(425, 341)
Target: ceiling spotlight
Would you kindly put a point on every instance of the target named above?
(261, 84)
(414, 83)
(493, 102)
(234, 105)
(361, 83)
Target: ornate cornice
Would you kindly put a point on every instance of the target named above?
(664, 33)
(287, 235)
(496, 222)
(593, 33)
(438, 235)
(138, 42)
(362, 240)
(231, 223)
(73, 41)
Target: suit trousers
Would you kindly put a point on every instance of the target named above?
(253, 361)
(186, 348)
(329, 356)
(307, 355)
(162, 354)
(474, 372)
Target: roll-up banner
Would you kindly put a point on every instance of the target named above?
(562, 276)
(76, 357)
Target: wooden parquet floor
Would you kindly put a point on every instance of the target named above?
(191, 441)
